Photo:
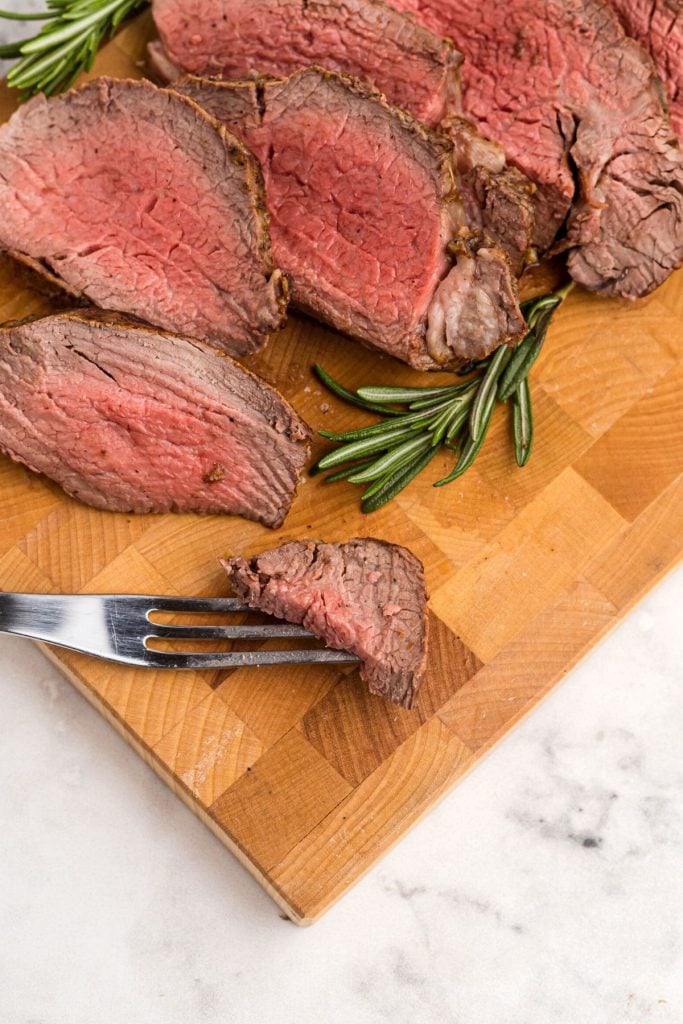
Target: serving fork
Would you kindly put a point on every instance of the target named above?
(117, 627)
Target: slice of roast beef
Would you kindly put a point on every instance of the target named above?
(561, 88)
(416, 69)
(367, 597)
(363, 211)
(134, 198)
(132, 419)
(658, 25)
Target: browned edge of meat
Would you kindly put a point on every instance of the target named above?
(126, 417)
(277, 37)
(34, 275)
(366, 596)
(658, 25)
(440, 314)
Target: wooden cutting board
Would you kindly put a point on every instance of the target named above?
(304, 776)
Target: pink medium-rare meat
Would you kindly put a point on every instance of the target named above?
(561, 88)
(132, 197)
(658, 25)
(129, 418)
(363, 213)
(416, 69)
(365, 596)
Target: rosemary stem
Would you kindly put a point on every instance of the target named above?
(66, 43)
(373, 499)
(390, 453)
(487, 391)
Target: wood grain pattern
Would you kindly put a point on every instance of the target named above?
(641, 454)
(500, 693)
(280, 800)
(375, 814)
(299, 772)
(531, 561)
(209, 749)
(356, 732)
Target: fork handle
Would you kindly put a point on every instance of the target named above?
(78, 623)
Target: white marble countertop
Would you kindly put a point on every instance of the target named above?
(545, 889)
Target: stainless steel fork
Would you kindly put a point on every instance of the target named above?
(117, 627)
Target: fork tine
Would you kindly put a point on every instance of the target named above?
(245, 632)
(115, 627)
(196, 604)
(237, 659)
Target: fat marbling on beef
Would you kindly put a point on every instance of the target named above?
(364, 211)
(416, 69)
(365, 596)
(565, 92)
(132, 197)
(129, 418)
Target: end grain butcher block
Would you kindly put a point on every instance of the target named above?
(527, 569)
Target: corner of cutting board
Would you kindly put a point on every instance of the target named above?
(295, 914)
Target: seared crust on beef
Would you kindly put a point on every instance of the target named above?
(497, 197)
(579, 108)
(658, 25)
(416, 70)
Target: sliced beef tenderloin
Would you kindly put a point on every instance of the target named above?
(658, 25)
(363, 211)
(416, 69)
(132, 419)
(559, 85)
(367, 597)
(136, 199)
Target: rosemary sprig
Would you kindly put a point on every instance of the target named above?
(389, 454)
(66, 44)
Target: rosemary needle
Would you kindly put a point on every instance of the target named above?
(384, 490)
(522, 422)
